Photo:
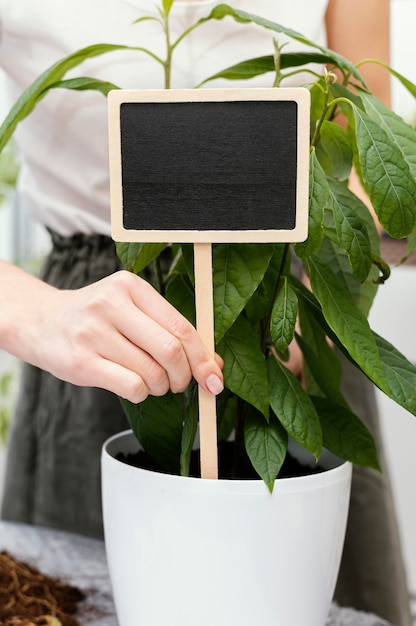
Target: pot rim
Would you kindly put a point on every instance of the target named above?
(338, 471)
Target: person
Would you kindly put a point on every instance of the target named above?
(58, 429)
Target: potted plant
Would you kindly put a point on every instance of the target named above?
(259, 299)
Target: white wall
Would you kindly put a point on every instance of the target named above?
(403, 22)
(394, 313)
(393, 316)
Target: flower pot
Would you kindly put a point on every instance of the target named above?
(193, 552)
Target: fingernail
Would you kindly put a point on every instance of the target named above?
(214, 384)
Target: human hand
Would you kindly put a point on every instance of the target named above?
(119, 334)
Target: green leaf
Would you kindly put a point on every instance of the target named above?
(261, 65)
(318, 200)
(400, 375)
(324, 366)
(293, 407)
(266, 445)
(313, 309)
(338, 90)
(346, 320)
(352, 235)
(345, 196)
(84, 83)
(337, 151)
(167, 5)
(345, 435)
(386, 176)
(399, 132)
(244, 70)
(157, 424)
(245, 372)
(307, 299)
(224, 10)
(136, 256)
(238, 271)
(146, 18)
(227, 409)
(411, 87)
(362, 294)
(336, 258)
(188, 259)
(39, 88)
(284, 314)
(180, 294)
(258, 307)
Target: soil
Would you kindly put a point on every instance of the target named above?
(291, 467)
(30, 598)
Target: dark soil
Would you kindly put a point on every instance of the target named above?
(227, 467)
(30, 598)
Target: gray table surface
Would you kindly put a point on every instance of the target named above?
(81, 561)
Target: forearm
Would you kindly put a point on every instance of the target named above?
(360, 30)
(24, 298)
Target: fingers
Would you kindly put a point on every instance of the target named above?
(120, 350)
(119, 380)
(133, 326)
(183, 347)
(160, 345)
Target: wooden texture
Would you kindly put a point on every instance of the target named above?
(209, 165)
(205, 326)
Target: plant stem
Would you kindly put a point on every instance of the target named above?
(329, 77)
(169, 49)
(276, 57)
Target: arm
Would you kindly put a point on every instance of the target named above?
(118, 334)
(360, 29)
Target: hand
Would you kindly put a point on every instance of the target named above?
(119, 334)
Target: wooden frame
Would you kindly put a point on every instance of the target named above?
(294, 143)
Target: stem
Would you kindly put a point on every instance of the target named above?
(185, 33)
(171, 46)
(167, 65)
(321, 120)
(277, 66)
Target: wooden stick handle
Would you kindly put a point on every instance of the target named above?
(204, 304)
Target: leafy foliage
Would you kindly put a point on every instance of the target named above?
(258, 297)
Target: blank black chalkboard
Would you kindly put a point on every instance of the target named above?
(223, 167)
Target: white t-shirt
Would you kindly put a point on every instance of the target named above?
(63, 143)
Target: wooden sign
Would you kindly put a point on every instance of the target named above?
(209, 166)
(227, 165)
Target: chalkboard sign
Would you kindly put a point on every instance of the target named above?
(212, 165)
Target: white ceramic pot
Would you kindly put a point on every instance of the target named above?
(192, 552)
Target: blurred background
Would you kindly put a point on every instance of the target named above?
(25, 243)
